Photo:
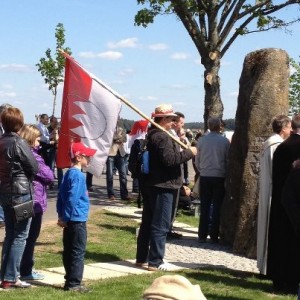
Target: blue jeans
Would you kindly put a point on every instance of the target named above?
(119, 162)
(14, 240)
(135, 185)
(89, 180)
(60, 175)
(74, 241)
(1, 215)
(51, 157)
(156, 221)
(27, 261)
(212, 191)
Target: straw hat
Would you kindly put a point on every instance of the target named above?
(175, 287)
(164, 110)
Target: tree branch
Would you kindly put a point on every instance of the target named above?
(190, 24)
(225, 13)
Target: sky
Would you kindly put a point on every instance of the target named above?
(147, 66)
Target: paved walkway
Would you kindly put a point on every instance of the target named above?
(181, 253)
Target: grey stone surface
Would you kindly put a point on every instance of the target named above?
(263, 94)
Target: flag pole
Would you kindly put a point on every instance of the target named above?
(150, 120)
(66, 55)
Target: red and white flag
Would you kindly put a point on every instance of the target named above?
(89, 113)
(139, 130)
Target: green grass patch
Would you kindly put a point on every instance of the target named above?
(185, 217)
(215, 284)
(111, 237)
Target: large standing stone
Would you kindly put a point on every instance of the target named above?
(263, 94)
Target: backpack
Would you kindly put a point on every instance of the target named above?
(135, 163)
(139, 163)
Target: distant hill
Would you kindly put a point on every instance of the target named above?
(229, 124)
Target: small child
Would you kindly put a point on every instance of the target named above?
(32, 135)
(73, 208)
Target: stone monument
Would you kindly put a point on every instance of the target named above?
(263, 94)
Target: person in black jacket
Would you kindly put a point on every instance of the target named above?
(2, 108)
(162, 182)
(283, 259)
(17, 169)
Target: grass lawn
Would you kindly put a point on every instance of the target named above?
(112, 237)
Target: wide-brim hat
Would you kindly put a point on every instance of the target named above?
(164, 110)
(175, 287)
(80, 149)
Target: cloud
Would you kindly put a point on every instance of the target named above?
(126, 43)
(4, 95)
(179, 56)
(158, 47)
(148, 98)
(15, 68)
(6, 86)
(126, 72)
(109, 55)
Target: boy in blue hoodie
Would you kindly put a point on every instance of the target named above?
(72, 209)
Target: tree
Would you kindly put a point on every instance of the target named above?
(213, 26)
(52, 67)
(294, 92)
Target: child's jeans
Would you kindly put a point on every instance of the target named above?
(74, 241)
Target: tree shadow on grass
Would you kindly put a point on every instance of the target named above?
(123, 216)
(125, 228)
(232, 278)
(101, 257)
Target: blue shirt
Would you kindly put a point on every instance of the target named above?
(72, 201)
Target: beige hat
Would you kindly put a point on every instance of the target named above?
(175, 287)
(164, 110)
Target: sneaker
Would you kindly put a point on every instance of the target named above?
(33, 276)
(2, 224)
(112, 197)
(17, 284)
(78, 288)
(163, 267)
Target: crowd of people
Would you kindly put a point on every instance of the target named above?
(27, 169)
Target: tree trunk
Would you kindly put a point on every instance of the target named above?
(54, 102)
(213, 105)
(263, 94)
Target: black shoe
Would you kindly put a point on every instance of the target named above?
(202, 241)
(174, 235)
(78, 288)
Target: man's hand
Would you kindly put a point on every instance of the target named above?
(61, 223)
(194, 150)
